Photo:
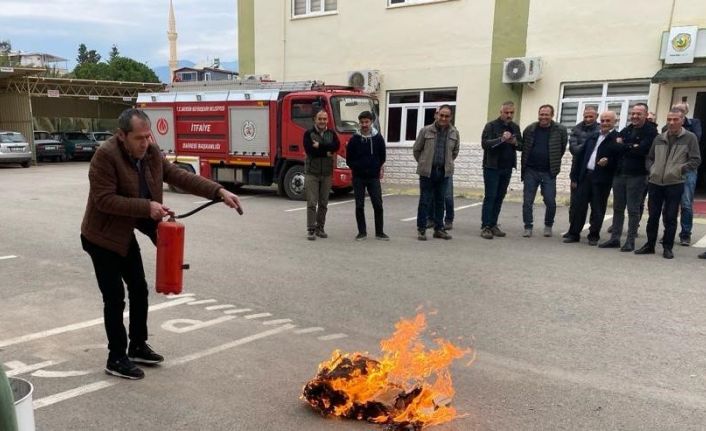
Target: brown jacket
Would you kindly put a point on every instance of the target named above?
(114, 205)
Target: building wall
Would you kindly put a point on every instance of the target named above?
(398, 41)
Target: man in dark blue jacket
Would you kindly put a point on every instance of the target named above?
(591, 177)
(365, 155)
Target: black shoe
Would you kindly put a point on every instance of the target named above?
(702, 255)
(646, 249)
(566, 235)
(667, 254)
(442, 234)
(422, 235)
(628, 246)
(448, 225)
(321, 233)
(685, 241)
(310, 235)
(124, 368)
(430, 224)
(361, 236)
(611, 243)
(571, 239)
(144, 355)
(382, 237)
(593, 242)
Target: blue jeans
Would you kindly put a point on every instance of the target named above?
(544, 180)
(448, 203)
(432, 188)
(687, 205)
(496, 182)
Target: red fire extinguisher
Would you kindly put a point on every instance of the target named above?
(170, 257)
(170, 252)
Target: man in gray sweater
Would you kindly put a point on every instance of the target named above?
(674, 153)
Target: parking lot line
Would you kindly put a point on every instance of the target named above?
(455, 209)
(333, 204)
(8, 257)
(93, 387)
(82, 325)
(700, 243)
(71, 393)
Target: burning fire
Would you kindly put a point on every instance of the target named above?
(395, 390)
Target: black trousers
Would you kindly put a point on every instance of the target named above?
(111, 270)
(375, 193)
(665, 200)
(594, 194)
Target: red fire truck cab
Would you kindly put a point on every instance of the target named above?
(245, 133)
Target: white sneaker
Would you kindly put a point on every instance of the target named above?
(547, 231)
(528, 233)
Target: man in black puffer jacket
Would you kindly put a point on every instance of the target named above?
(365, 155)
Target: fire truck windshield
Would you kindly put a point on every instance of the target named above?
(346, 110)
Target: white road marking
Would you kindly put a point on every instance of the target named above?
(17, 367)
(277, 322)
(308, 330)
(219, 307)
(334, 204)
(93, 387)
(180, 326)
(700, 243)
(238, 311)
(60, 374)
(605, 219)
(203, 301)
(455, 209)
(82, 325)
(8, 257)
(226, 346)
(332, 337)
(71, 393)
(257, 316)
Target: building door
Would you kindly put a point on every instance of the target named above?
(696, 98)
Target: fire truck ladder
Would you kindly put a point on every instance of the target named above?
(246, 85)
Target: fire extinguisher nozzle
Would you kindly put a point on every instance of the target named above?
(185, 266)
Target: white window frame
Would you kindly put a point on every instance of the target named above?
(309, 13)
(406, 3)
(603, 101)
(420, 106)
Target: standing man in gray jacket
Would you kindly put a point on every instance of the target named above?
(587, 128)
(673, 154)
(435, 150)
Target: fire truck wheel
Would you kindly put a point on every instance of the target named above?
(294, 183)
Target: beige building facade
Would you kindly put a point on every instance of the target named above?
(414, 55)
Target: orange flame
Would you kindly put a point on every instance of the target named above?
(409, 386)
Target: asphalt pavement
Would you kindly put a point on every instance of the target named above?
(566, 336)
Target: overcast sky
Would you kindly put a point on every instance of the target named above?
(206, 28)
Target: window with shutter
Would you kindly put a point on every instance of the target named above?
(617, 96)
(410, 110)
(313, 7)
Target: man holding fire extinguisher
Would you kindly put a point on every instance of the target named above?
(126, 177)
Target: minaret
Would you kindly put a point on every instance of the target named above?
(172, 35)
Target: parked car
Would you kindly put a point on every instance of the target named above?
(48, 148)
(14, 148)
(100, 137)
(78, 145)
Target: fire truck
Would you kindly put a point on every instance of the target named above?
(251, 133)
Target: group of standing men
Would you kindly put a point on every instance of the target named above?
(633, 162)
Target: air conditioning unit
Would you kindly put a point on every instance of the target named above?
(366, 80)
(522, 69)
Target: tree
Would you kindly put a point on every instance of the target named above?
(101, 71)
(127, 69)
(86, 56)
(114, 53)
(5, 49)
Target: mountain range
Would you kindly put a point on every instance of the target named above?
(163, 71)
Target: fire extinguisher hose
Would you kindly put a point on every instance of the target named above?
(194, 211)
